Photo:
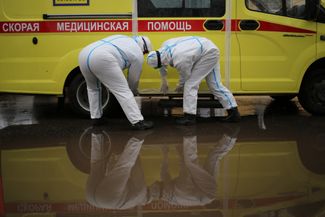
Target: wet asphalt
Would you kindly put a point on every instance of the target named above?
(55, 163)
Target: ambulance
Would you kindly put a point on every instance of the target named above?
(274, 48)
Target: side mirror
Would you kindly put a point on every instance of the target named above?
(312, 9)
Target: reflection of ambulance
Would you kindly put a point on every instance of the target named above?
(274, 48)
(260, 176)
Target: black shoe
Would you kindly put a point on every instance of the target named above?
(233, 116)
(188, 119)
(143, 125)
(98, 121)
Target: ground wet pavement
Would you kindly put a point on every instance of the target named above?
(54, 163)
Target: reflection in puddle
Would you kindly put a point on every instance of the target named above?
(270, 164)
(117, 181)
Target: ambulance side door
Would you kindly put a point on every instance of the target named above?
(277, 44)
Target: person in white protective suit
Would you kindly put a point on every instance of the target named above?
(103, 62)
(196, 184)
(116, 180)
(195, 58)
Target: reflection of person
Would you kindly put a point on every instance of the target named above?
(104, 61)
(196, 184)
(116, 180)
(195, 58)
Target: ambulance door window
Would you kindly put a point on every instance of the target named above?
(197, 3)
(321, 13)
(296, 8)
(167, 4)
(270, 7)
(290, 8)
(181, 8)
(181, 3)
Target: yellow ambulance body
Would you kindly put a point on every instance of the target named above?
(274, 48)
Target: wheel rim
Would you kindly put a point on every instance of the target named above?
(318, 94)
(82, 96)
(319, 91)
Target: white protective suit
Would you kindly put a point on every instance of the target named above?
(195, 58)
(196, 185)
(116, 181)
(104, 61)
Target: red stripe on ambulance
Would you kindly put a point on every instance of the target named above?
(21, 27)
(165, 25)
(101, 26)
(273, 27)
(66, 26)
(171, 25)
(155, 205)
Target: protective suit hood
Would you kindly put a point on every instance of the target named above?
(154, 59)
(144, 43)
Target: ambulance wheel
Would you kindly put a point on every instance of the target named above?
(312, 92)
(287, 97)
(78, 98)
(310, 145)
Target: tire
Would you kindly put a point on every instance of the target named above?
(312, 92)
(283, 98)
(79, 148)
(311, 147)
(78, 98)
